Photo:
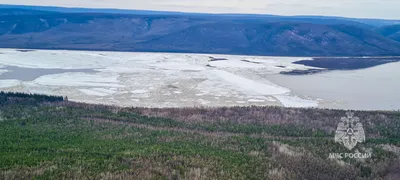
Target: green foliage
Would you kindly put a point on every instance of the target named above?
(79, 141)
(12, 97)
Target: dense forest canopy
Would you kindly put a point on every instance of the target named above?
(45, 137)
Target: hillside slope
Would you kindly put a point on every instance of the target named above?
(181, 33)
(48, 138)
(392, 32)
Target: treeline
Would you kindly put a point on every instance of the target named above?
(10, 97)
(290, 121)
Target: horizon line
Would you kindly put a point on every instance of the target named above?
(4, 6)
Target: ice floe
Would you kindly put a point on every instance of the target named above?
(155, 79)
(98, 91)
(9, 83)
(250, 86)
(256, 100)
(2, 71)
(235, 64)
(179, 66)
(109, 91)
(139, 91)
(294, 101)
(92, 92)
(80, 79)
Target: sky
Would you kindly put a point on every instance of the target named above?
(385, 9)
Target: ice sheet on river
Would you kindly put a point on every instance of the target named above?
(155, 79)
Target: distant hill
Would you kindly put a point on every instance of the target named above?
(81, 29)
(361, 22)
(392, 31)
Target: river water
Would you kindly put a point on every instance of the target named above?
(376, 88)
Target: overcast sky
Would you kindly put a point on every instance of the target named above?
(388, 9)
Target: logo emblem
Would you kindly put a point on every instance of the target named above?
(350, 131)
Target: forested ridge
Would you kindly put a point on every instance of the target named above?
(32, 28)
(47, 137)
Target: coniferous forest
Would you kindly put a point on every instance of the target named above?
(48, 137)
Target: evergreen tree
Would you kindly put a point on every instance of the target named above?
(1, 117)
